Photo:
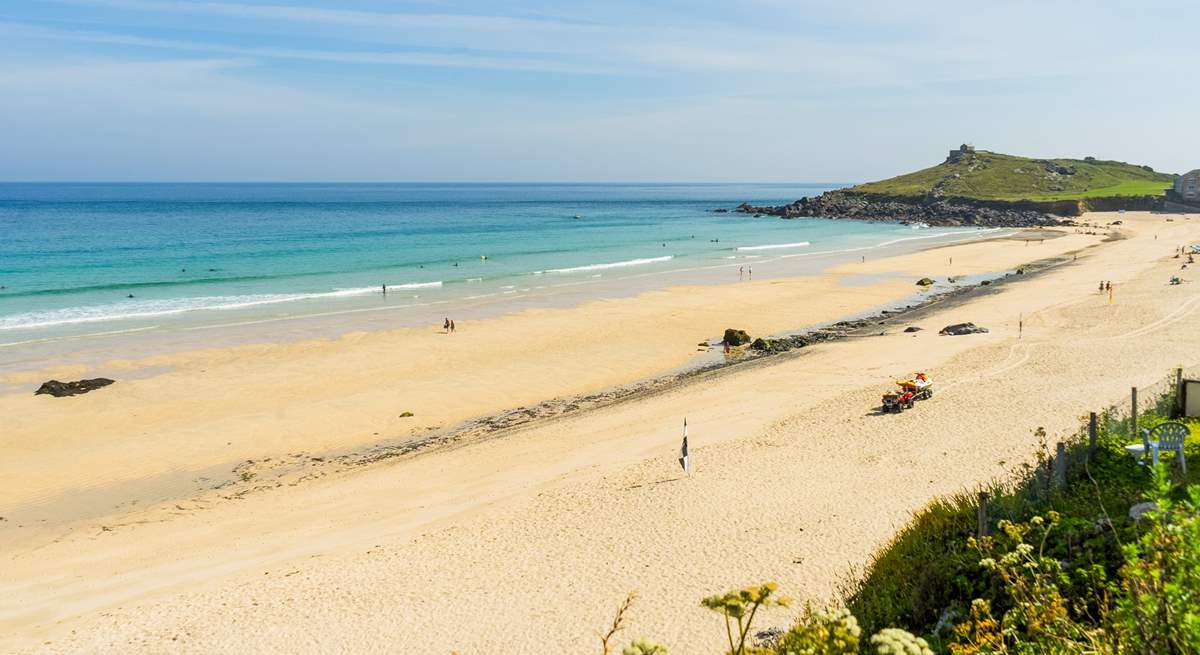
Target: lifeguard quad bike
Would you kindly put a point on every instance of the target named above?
(918, 388)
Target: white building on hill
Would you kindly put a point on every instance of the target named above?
(1188, 186)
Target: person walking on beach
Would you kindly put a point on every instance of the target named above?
(385, 289)
(1101, 286)
(446, 325)
(741, 271)
(451, 326)
(750, 271)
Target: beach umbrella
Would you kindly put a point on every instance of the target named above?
(683, 452)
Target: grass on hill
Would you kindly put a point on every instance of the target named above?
(984, 175)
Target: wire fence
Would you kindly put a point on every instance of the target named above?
(1066, 461)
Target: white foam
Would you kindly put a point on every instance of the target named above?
(141, 309)
(598, 267)
(776, 246)
(417, 285)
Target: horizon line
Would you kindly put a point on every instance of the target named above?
(414, 182)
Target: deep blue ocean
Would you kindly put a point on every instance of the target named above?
(82, 259)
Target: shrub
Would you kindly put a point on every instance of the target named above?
(827, 632)
(739, 609)
(894, 641)
(1039, 617)
(1159, 611)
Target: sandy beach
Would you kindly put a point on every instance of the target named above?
(201, 505)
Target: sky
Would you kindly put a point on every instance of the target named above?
(618, 90)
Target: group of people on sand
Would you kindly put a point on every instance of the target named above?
(1191, 258)
(1105, 286)
(448, 326)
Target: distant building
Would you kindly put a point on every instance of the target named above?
(1187, 186)
(958, 153)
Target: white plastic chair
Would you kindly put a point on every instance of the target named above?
(1168, 436)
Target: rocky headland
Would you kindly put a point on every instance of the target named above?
(988, 189)
(930, 210)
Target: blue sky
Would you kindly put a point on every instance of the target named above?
(760, 90)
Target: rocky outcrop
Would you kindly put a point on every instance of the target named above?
(736, 337)
(784, 344)
(930, 210)
(934, 209)
(60, 389)
(925, 282)
(962, 328)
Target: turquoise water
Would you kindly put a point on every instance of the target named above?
(84, 259)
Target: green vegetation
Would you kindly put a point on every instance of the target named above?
(1066, 567)
(983, 175)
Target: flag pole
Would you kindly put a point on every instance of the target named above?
(683, 451)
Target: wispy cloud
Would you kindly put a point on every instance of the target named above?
(450, 60)
(350, 17)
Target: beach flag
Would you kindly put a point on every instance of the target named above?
(683, 453)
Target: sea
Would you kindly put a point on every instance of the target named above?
(85, 265)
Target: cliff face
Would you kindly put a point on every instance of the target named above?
(949, 211)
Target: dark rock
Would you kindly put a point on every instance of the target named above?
(782, 344)
(985, 282)
(768, 639)
(736, 337)
(931, 209)
(1052, 167)
(1139, 511)
(924, 282)
(60, 389)
(721, 211)
(912, 328)
(962, 328)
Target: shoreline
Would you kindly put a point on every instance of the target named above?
(410, 539)
(372, 313)
(854, 326)
(267, 469)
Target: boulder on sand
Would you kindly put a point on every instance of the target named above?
(60, 389)
(962, 328)
(924, 282)
(912, 328)
(736, 337)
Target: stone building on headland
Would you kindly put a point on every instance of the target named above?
(1187, 186)
(958, 153)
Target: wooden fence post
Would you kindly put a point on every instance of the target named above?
(983, 515)
(1060, 465)
(1177, 411)
(1133, 415)
(1091, 435)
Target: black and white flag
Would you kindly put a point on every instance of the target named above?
(683, 453)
